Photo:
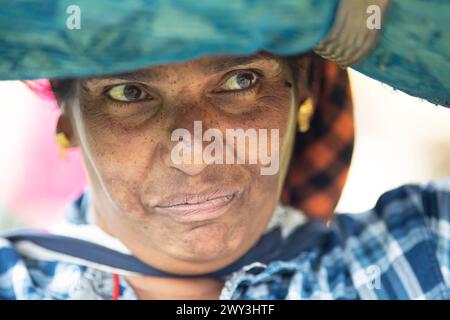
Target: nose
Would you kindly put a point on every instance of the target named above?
(186, 152)
(186, 166)
(190, 169)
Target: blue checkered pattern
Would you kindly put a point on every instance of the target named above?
(398, 250)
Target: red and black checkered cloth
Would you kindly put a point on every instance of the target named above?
(321, 157)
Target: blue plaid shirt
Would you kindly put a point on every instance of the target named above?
(398, 250)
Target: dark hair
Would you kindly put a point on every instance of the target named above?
(62, 89)
(295, 64)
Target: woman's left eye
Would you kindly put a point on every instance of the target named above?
(240, 81)
(127, 93)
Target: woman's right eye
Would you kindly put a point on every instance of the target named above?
(127, 93)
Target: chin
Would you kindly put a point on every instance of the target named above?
(211, 243)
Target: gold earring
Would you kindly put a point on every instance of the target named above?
(305, 113)
(63, 145)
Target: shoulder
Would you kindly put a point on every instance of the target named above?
(398, 241)
(11, 267)
(23, 278)
(397, 250)
(423, 202)
(405, 214)
(411, 221)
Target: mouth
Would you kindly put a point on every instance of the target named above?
(197, 207)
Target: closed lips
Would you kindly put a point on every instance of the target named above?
(196, 199)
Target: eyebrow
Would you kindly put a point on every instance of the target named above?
(216, 65)
(228, 63)
(138, 75)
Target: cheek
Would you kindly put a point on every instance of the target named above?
(269, 121)
(272, 112)
(271, 108)
(115, 148)
(262, 197)
(274, 108)
(119, 160)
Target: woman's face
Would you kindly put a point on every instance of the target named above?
(193, 216)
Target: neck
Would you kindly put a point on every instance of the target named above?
(157, 288)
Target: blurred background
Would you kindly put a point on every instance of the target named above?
(399, 139)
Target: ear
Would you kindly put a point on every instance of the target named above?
(64, 125)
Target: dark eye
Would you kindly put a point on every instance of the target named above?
(127, 93)
(240, 81)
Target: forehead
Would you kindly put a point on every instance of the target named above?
(204, 65)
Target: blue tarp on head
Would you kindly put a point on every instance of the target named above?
(115, 36)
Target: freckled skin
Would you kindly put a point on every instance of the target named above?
(127, 157)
